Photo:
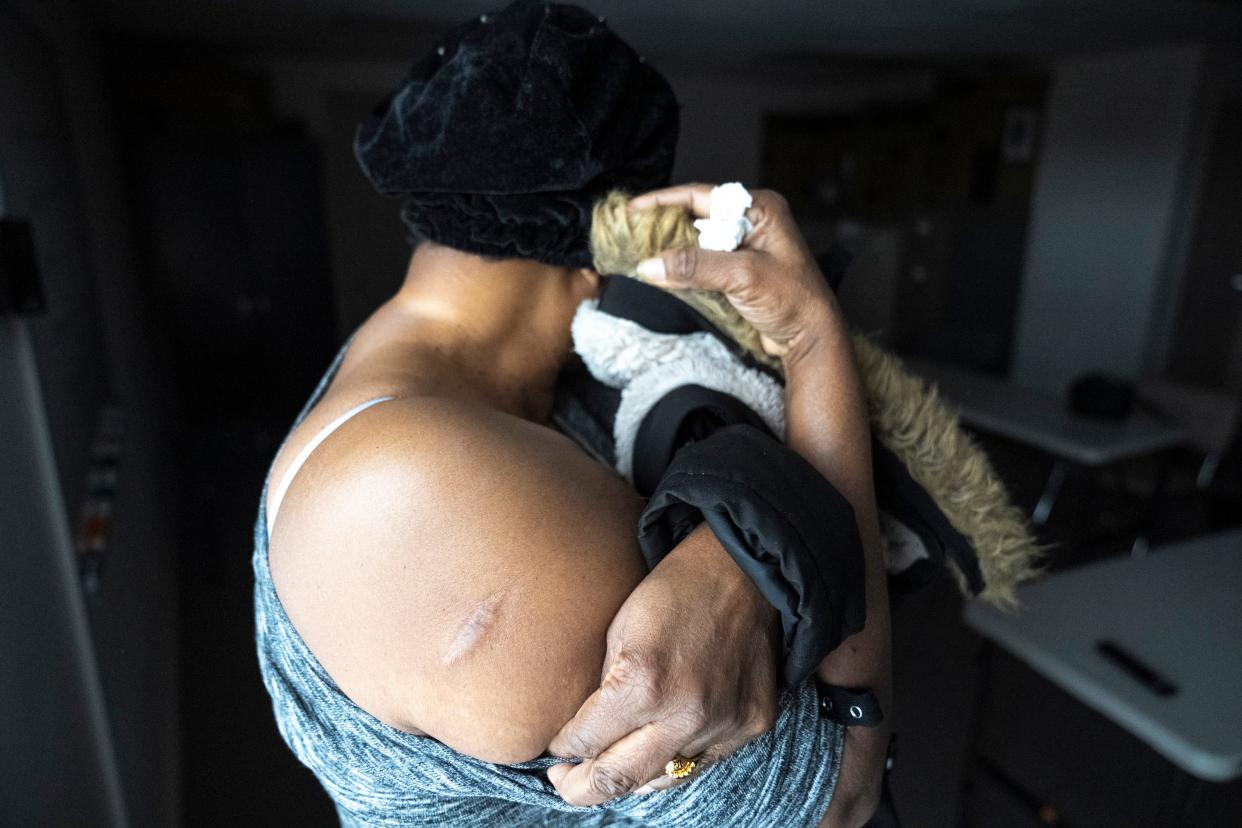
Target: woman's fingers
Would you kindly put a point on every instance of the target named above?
(694, 267)
(599, 723)
(695, 197)
(664, 781)
(620, 770)
(772, 280)
(706, 751)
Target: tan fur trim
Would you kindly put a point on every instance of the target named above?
(907, 415)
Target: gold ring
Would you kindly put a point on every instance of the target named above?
(679, 767)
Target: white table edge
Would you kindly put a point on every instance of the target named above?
(1195, 760)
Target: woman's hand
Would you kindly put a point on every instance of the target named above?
(772, 280)
(690, 669)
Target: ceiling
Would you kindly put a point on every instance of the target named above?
(731, 29)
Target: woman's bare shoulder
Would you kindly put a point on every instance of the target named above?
(455, 570)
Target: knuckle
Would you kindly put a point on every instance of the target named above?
(741, 274)
(762, 718)
(634, 679)
(693, 717)
(683, 262)
(611, 780)
(578, 743)
(714, 754)
(775, 201)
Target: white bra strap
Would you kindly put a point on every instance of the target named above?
(296, 465)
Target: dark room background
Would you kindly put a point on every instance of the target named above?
(1032, 191)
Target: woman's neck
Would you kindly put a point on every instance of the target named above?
(497, 331)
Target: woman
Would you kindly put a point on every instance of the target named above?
(439, 573)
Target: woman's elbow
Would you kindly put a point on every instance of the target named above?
(852, 809)
(860, 811)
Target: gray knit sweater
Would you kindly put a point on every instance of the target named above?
(378, 775)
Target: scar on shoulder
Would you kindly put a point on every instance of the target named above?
(475, 626)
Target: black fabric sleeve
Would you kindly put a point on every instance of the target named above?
(788, 529)
(684, 415)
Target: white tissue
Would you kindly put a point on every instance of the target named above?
(728, 224)
(721, 234)
(729, 201)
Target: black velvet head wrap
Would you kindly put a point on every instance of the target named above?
(500, 141)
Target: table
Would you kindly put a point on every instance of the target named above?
(1045, 422)
(1152, 643)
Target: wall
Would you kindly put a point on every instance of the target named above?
(58, 763)
(366, 239)
(721, 139)
(1105, 215)
(92, 342)
(722, 115)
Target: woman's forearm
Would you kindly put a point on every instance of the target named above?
(828, 425)
(774, 283)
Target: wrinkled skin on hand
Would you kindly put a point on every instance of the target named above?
(690, 669)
